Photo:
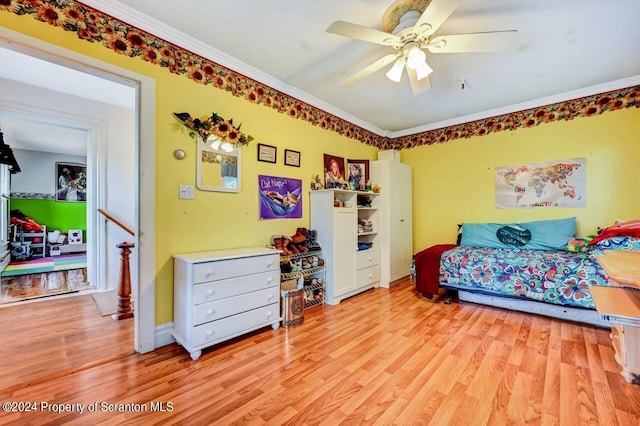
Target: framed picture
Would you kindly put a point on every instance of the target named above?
(334, 176)
(267, 153)
(280, 197)
(291, 158)
(71, 182)
(358, 174)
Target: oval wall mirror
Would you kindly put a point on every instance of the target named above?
(218, 166)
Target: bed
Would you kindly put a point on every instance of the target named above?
(547, 282)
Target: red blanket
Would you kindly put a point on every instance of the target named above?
(630, 228)
(428, 269)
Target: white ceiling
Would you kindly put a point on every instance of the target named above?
(29, 132)
(561, 47)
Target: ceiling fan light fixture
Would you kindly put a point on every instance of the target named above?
(395, 73)
(416, 58)
(423, 71)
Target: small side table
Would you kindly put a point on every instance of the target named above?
(620, 304)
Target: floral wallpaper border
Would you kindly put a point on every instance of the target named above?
(567, 110)
(124, 39)
(32, 195)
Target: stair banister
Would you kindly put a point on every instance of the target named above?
(124, 282)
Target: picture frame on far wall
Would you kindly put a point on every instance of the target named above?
(267, 153)
(334, 176)
(71, 182)
(291, 158)
(357, 174)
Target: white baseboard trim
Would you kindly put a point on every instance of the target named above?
(163, 335)
(399, 280)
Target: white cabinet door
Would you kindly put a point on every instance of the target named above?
(401, 238)
(344, 257)
(396, 216)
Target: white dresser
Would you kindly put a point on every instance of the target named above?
(222, 294)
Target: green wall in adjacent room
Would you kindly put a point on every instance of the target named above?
(53, 214)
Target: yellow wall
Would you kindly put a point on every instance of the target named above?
(213, 220)
(454, 182)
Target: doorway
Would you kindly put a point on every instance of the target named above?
(50, 234)
(141, 180)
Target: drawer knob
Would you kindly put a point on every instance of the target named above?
(370, 276)
(370, 258)
(269, 263)
(210, 291)
(269, 279)
(210, 333)
(210, 312)
(208, 273)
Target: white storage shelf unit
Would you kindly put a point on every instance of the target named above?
(223, 294)
(336, 215)
(37, 240)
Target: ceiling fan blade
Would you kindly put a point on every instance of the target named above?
(359, 32)
(434, 15)
(380, 63)
(475, 42)
(418, 87)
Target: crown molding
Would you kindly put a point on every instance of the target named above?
(133, 17)
(536, 103)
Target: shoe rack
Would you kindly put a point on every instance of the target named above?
(302, 265)
(309, 270)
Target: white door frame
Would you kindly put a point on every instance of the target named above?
(95, 133)
(144, 292)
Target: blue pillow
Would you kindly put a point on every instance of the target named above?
(540, 235)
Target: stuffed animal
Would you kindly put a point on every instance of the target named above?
(579, 245)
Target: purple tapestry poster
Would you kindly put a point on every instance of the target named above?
(280, 198)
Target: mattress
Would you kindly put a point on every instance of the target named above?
(550, 276)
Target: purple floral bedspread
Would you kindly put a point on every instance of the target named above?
(558, 277)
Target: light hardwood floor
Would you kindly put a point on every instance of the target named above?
(382, 357)
(32, 286)
(55, 336)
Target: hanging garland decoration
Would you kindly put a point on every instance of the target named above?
(216, 126)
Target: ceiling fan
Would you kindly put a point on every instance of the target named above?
(409, 27)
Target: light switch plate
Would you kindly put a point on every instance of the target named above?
(186, 192)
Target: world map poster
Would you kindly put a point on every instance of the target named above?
(551, 184)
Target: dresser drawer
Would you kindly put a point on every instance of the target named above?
(631, 344)
(223, 269)
(366, 258)
(216, 331)
(217, 290)
(368, 276)
(232, 305)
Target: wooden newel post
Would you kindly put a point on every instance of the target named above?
(124, 283)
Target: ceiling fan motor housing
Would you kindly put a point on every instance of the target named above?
(408, 20)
